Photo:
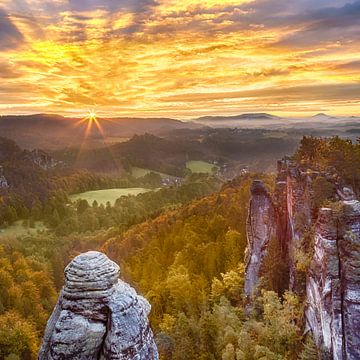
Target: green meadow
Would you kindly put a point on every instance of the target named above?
(103, 196)
(137, 172)
(200, 166)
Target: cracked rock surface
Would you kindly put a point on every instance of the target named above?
(333, 290)
(261, 228)
(98, 316)
(330, 288)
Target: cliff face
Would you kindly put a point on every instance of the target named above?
(333, 286)
(332, 289)
(294, 202)
(98, 316)
(261, 230)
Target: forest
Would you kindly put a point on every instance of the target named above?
(183, 247)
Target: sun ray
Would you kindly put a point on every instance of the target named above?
(90, 121)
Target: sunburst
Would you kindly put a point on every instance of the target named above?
(91, 120)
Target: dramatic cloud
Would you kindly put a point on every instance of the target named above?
(329, 26)
(10, 37)
(180, 58)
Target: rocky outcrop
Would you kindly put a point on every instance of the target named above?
(3, 181)
(98, 316)
(261, 230)
(298, 217)
(42, 159)
(331, 288)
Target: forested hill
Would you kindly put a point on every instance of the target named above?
(52, 132)
(189, 264)
(31, 179)
(170, 153)
(24, 180)
(185, 253)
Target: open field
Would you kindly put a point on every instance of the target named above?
(140, 172)
(200, 166)
(115, 139)
(103, 196)
(18, 229)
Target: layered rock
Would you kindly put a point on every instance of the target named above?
(261, 229)
(98, 316)
(298, 213)
(332, 288)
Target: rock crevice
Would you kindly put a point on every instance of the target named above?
(261, 229)
(332, 286)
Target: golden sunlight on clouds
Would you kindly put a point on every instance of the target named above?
(173, 6)
(179, 59)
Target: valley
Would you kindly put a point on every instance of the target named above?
(179, 180)
(173, 212)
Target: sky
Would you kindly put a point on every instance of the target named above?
(180, 59)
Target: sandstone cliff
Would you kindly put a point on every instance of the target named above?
(331, 287)
(98, 316)
(261, 230)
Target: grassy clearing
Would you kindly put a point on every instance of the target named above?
(137, 172)
(200, 166)
(103, 196)
(18, 229)
(115, 139)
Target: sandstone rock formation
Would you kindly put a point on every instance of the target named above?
(42, 159)
(3, 181)
(98, 316)
(333, 286)
(332, 289)
(261, 229)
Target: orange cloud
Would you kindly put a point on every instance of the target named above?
(179, 59)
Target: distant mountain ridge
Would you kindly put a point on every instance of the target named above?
(249, 116)
(54, 131)
(322, 116)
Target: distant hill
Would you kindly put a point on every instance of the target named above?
(249, 116)
(166, 155)
(169, 154)
(322, 116)
(54, 131)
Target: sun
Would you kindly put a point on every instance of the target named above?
(91, 121)
(91, 115)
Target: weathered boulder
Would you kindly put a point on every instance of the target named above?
(98, 316)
